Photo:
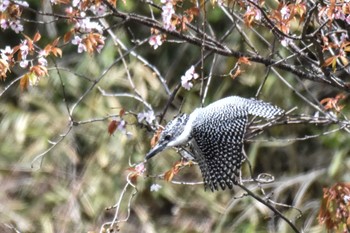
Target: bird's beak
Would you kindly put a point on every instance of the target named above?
(155, 150)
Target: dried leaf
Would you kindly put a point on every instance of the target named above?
(333, 103)
(169, 175)
(24, 83)
(57, 52)
(335, 209)
(329, 61)
(238, 71)
(67, 37)
(112, 126)
(344, 60)
(36, 37)
(55, 42)
(4, 67)
(133, 178)
(121, 112)
(156, 136)
(244, 60)
(29, 42)
(39, 70)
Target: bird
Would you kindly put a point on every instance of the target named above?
(215, 136)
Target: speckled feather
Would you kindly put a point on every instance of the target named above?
(218, 132)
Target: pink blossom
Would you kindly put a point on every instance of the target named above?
(77, 40)
(98, 10)
(191, 73)
(24, 63)
(69, 10)
(122, 125)
(285, 12)
(100, 47)
(339, 14)
(86, 26)
(186, 83)
(42, 61)
(16, 26)
(186, 80)
(285, 41)
(155, 41)
(147, 116)
(75, 3)
(256, 12)
(343, 37)
(3, 5)
(81, 48)
(258, 15)
(347, 19)
(43, 53)
(140, 168)
(22, 3)
(5, 52)
(24, 49)
(167, 12)
(4, 24)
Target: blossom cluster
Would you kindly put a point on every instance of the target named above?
(187, 79)
(155, 41)
(167, 13)
(10, 12)
(148, 116)
(87, 34)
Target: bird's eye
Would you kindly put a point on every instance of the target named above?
(167, 137)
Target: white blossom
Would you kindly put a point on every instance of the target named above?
(16, 26)
(155, 41)
(155, 187)
(147, 116)
(4, 5)
(4, 24)
(186, 80)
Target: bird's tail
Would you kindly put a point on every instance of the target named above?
(262, 109)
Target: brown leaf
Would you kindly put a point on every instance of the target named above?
(156, 136)
(329, 61)
(24, 83)
(67, 37)
(39, 70)
(169, 175)
(238, 71)
(333, 103)
(344, 60)
(57, 52)
(4, 67)
(112, 126)
(335, 207)
(55, 42)
(121, 112)
(244, 60)
(36, 37)
(133, 178)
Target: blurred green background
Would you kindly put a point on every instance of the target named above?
(69, 189)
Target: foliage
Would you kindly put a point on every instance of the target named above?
(335, 208)
(85, 85)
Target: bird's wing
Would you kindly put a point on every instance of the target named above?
(218, 143)
(253, 106)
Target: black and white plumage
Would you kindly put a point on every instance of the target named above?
(215, 134)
